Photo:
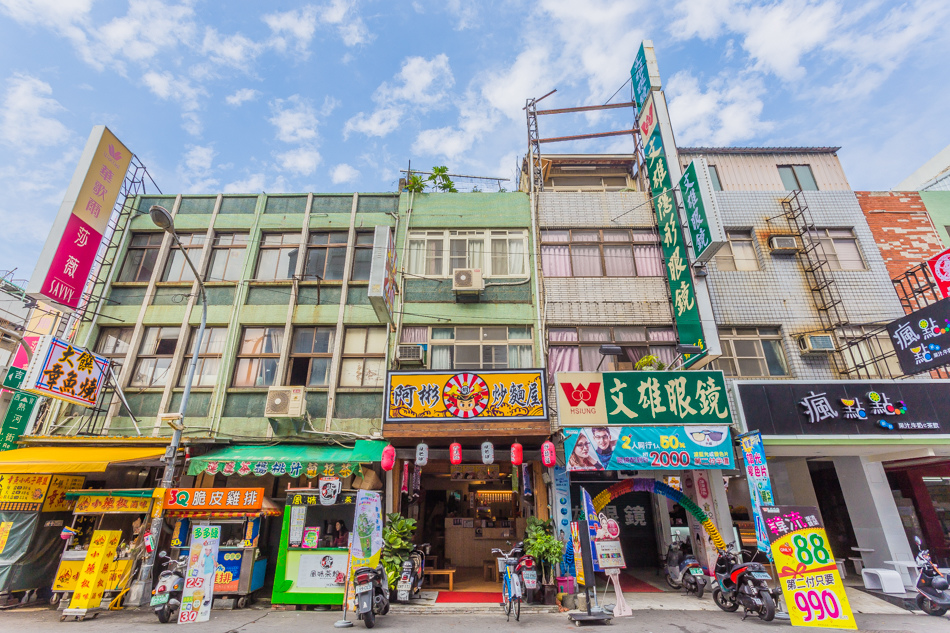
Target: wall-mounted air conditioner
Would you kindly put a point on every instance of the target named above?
(411, 354)
(783, 245)
(816, 344)
(285, 402)
(467, 280)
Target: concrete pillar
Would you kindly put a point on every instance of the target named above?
(873, 513)
(791, 482)
(705, 488)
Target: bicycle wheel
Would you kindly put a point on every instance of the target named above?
(517, 602)
(506, 598)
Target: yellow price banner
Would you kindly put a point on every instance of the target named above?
(98, 569)
(813, 591)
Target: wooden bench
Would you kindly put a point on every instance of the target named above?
(441, 572)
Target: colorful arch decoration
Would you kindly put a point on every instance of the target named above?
(658, 487)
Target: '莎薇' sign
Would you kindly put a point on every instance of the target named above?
(70, 251)
(702, 212)
(64, 371)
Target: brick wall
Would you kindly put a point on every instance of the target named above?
(901, 228)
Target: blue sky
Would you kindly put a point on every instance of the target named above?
(338, 96)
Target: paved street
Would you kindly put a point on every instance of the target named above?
(39, 620)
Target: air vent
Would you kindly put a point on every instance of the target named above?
(285, 402)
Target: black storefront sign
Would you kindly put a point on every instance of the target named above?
(922, 338)
(846, 407)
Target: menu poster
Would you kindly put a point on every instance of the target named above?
(298, 516)
(198, 594)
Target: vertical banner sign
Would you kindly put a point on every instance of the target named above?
(366, 539)
(562, 503)
(940, 269)
(95, 570)
(702, 212)
(593, 526)
(198, 594)
(813, 591)
(760, 486)
(382, 275)
(644, 74)
(17, 417)
(67, 258)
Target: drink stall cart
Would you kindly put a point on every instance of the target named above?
(92, 565)
(241, 566)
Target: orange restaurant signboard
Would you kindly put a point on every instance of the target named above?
(214, 499)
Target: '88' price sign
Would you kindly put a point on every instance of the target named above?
(806, 569)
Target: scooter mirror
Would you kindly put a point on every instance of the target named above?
(917, 540)
(162, 554)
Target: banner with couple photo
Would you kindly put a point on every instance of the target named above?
(648, 447)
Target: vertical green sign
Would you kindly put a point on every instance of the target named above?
(644, 74)
(18, 416)
(705, 228)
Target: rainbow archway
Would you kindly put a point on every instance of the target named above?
(658, 487)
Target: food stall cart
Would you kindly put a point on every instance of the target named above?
(241, 566)
(125, 514)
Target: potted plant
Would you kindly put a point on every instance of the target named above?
(397, 544)
(540, 543)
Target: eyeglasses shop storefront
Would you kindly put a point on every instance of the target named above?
(874, 457)
(651, 448)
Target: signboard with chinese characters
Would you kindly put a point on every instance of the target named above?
(812, 588)
(276, 467)
(922, 338)
(884, 407)
(940, 269)
(438, 396)
(702, 212)
(382, 275)
(642, 397)
(366, 537)
(648, 447)
(22, 493)
(14, 378)
(95, 575)
(214, 499)
(198, 594)
(227, 573)
(760, 485)
(56, 500)
(65, 372)
(323, 570)
(644, 74)
(70, 251)
(108, 504)
(16, 419)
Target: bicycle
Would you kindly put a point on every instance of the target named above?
(511, 589)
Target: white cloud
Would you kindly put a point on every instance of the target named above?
(242, 96)
(26, 118)
(729, 111)
(379, 123)
(149, 28)
(465, 12)
(293, 29)
(254, 183)
(181, 90)
(343, 15)
(343, 173)
(235, 50)
(196, 169)
(302, 161)
(295, 119)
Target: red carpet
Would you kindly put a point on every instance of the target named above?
(634, 585)
(469, 596)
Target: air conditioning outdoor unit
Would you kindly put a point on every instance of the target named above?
(783, 244)
(467, 280)
(411, 354)
(816, 344)
(285, 402)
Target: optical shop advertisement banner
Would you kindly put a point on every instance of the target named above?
(648, 447)
(813, 591)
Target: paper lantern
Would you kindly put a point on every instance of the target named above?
(389, 458)
(517, 454)
(422, 454)
(548, 456)
(455, 453)
(488, 453)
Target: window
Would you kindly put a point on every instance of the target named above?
(364, 351)
(498, 253)
(258, 357)
(155, 357)
(751, 352)
(278, 258)
(362, 257)
(797, 177)
(113, 343)
(177, 269)
(714, 176)
(839, 247)
(209, 357)
(495, 347)
(578, 349)
(601, 253)
(738, 253)
(869, 353)
(227, 257)
(326, 256)
(141, 256)
(310, 356)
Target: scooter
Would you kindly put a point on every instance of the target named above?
(743, 584)
(166, 597)
(683, 570)
(527, 571)
(932, 595)
(371, 587)
(411, 577)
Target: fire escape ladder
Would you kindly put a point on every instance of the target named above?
(534, 146)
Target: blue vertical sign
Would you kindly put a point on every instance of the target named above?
(760, 486)
(593, 524)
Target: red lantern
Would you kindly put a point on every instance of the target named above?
(389, 458)
(455, 453)
(517, 454)
(548, 456)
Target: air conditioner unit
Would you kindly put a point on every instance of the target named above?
(285, 402)
(467, 280)
(783, 244)
(816, 344)
(411, 354)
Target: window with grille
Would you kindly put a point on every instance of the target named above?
(601, 253)
(310, 356)
(258, 357)
(869, 353)
(840, 248)
(155, 357)
(498, 253)
(738, 253)
(578, 348)
(750, 351)
(364, 357)
(209, 357)
(141, 257)
(177, 269)
(278, 256)
(227, 257)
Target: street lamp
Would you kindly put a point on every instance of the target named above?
(685, 350)
(608, 350)
(163, 220)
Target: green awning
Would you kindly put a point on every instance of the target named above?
(288, 459)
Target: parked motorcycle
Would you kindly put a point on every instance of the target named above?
(743, 584)
(166, 597)
(527, 571)
(933, 598)
(411, 576)
(371, 587)
(683, 570)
